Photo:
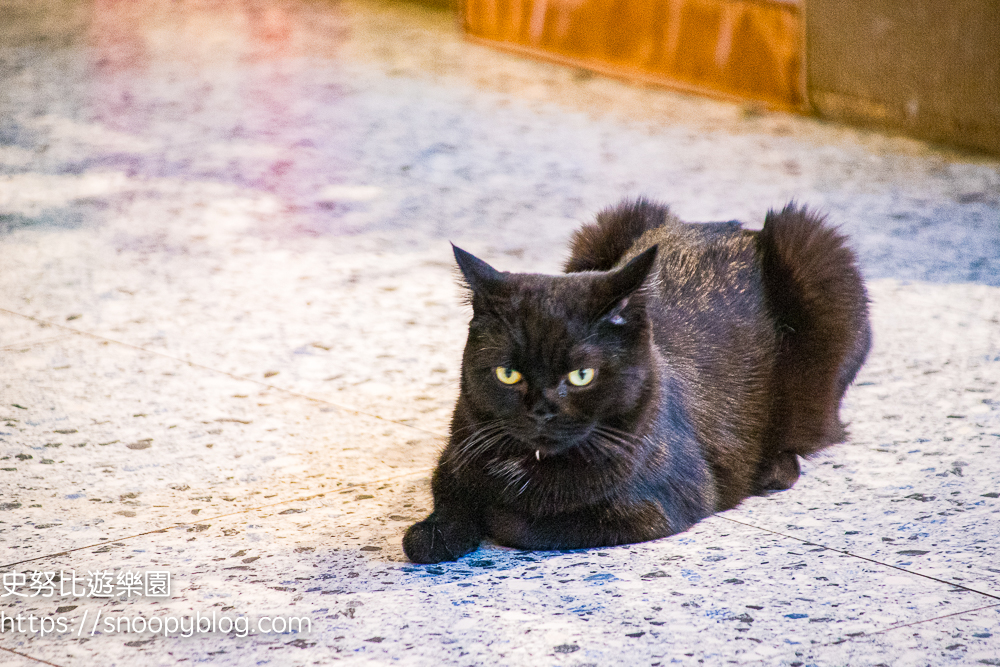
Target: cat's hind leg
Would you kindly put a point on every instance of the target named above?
(778, 472)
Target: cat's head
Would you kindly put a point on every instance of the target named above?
(556, 363)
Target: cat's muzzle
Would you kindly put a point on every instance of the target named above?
(550, 442)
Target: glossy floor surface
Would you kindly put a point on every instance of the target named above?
(230, 339)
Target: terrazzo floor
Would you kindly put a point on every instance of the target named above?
(230, 336)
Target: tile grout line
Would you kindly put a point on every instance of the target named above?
(215, 370)
(899, 626)
(33, 343)
(177, 524)
(25, 655)
(868, 635)
(853, 555)
(926, 620)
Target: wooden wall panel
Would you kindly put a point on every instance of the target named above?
(742, 49)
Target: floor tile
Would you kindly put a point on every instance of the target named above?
(719, 592)
(111, 440)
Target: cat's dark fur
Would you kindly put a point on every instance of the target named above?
(721, 356)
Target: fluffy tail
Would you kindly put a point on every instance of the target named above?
(599, 245)
(817, 297)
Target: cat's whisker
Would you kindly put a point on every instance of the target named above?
(586, 449)
(476, 428)
(627, 443)
(468, 441)
(485, 441)
(604, 448)
(477, 442)
(615, 431)
(621, 436)
(509, 470)
(463, 458)
(462, 450)
(489, 428)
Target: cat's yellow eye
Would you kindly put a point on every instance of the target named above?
(508, 375)
(581, 377)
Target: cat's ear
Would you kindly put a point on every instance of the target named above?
(621, 285)
(630, 277)
(479, 275)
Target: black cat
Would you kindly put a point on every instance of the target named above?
(673, 371)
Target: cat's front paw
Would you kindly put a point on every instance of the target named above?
(432, 541)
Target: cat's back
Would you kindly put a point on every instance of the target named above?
(700, 260)
(707, 297)
(694, 259)
(709, 315)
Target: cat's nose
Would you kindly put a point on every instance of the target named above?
(542, 418)
(542, 413)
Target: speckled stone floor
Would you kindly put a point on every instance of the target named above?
(230, 337)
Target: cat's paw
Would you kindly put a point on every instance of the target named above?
(432, 541)
(778, 474)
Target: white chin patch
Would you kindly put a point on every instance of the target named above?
(538, 454)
